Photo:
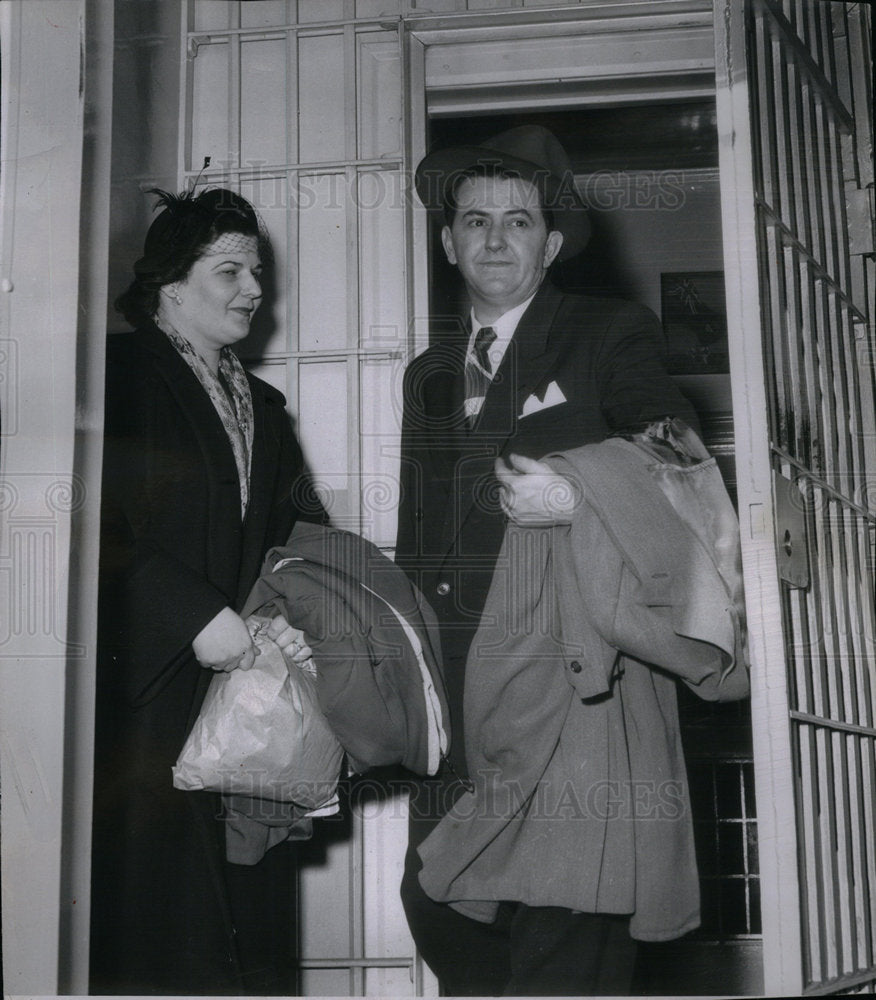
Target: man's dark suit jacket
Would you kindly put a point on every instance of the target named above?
(604, 356)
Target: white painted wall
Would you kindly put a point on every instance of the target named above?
(52, 252)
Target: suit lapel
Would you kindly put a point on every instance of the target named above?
(528, 359)
(443, 398)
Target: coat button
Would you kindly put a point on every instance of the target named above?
(575, 667)
(443, 589)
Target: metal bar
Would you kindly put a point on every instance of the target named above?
(798, 402)
(802, 693)
(852, 602)
(784, 146)
(845, 919)
(821, 722)
(186, 79)
(857, 425)
(830, 188)
(801, 177)
(354, 453)
(270, 170)
(746, 860)
(781, 25)
(857, 848)
(356, 963)
(841, 222)
(806, 757)
(782, 410)
(356, 911)
(814, 430)
(769, 218)
(767, 168)
(810, 146)
(352, 130)
(293, 233)
(822, 484)
(326, 355)
(821, 825)
(830, 13)
(385, 22)
(828, 378)
(840, 984)
(865, 569)
(868, 812)
(235, 85)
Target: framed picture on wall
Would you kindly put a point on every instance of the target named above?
(694, 322)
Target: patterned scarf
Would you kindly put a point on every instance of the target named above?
(230, 395)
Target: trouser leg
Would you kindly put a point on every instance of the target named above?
(264, 906)
(557, 952)
(470, 958)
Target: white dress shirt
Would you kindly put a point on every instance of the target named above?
(504, 326)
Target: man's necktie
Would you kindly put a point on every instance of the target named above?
(478, 374)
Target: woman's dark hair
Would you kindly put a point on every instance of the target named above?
(488, 170)
(177, 238)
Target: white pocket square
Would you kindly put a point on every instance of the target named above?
(553, 396)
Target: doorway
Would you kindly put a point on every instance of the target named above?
(649, 174)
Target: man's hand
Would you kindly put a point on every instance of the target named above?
(224, 643)
(533, 495)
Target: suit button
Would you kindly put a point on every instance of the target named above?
(575, 667)
(419, 514)
(443, 589)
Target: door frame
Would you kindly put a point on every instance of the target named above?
(448, 73)
(771, 729)
(54, 192)
(433, 91)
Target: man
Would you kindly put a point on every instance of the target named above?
(534, 372)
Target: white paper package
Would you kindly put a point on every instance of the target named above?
(261, 733)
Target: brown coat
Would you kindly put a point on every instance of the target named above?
(581, 796)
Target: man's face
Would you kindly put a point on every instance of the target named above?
(499, 242)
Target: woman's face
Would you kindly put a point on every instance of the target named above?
(219, 295)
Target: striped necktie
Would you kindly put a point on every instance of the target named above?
(478, 374)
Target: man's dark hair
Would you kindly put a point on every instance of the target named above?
(451, 190)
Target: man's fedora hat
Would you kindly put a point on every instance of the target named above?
(528, 151)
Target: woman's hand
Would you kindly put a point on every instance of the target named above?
(224, 643)
(533, 494)
(290, 640)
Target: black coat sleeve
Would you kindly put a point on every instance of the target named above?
(634, 385)
(155, 594)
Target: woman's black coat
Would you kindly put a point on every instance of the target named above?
(168, 914)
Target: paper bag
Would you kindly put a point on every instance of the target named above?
(261, 733)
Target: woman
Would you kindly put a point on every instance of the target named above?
(202, 474)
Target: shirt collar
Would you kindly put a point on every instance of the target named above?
(504, 326)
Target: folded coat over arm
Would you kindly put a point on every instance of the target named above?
(580, 793)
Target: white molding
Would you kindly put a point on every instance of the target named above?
(588, 18)
(771, 729)
(42, 488)
(568, 60)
